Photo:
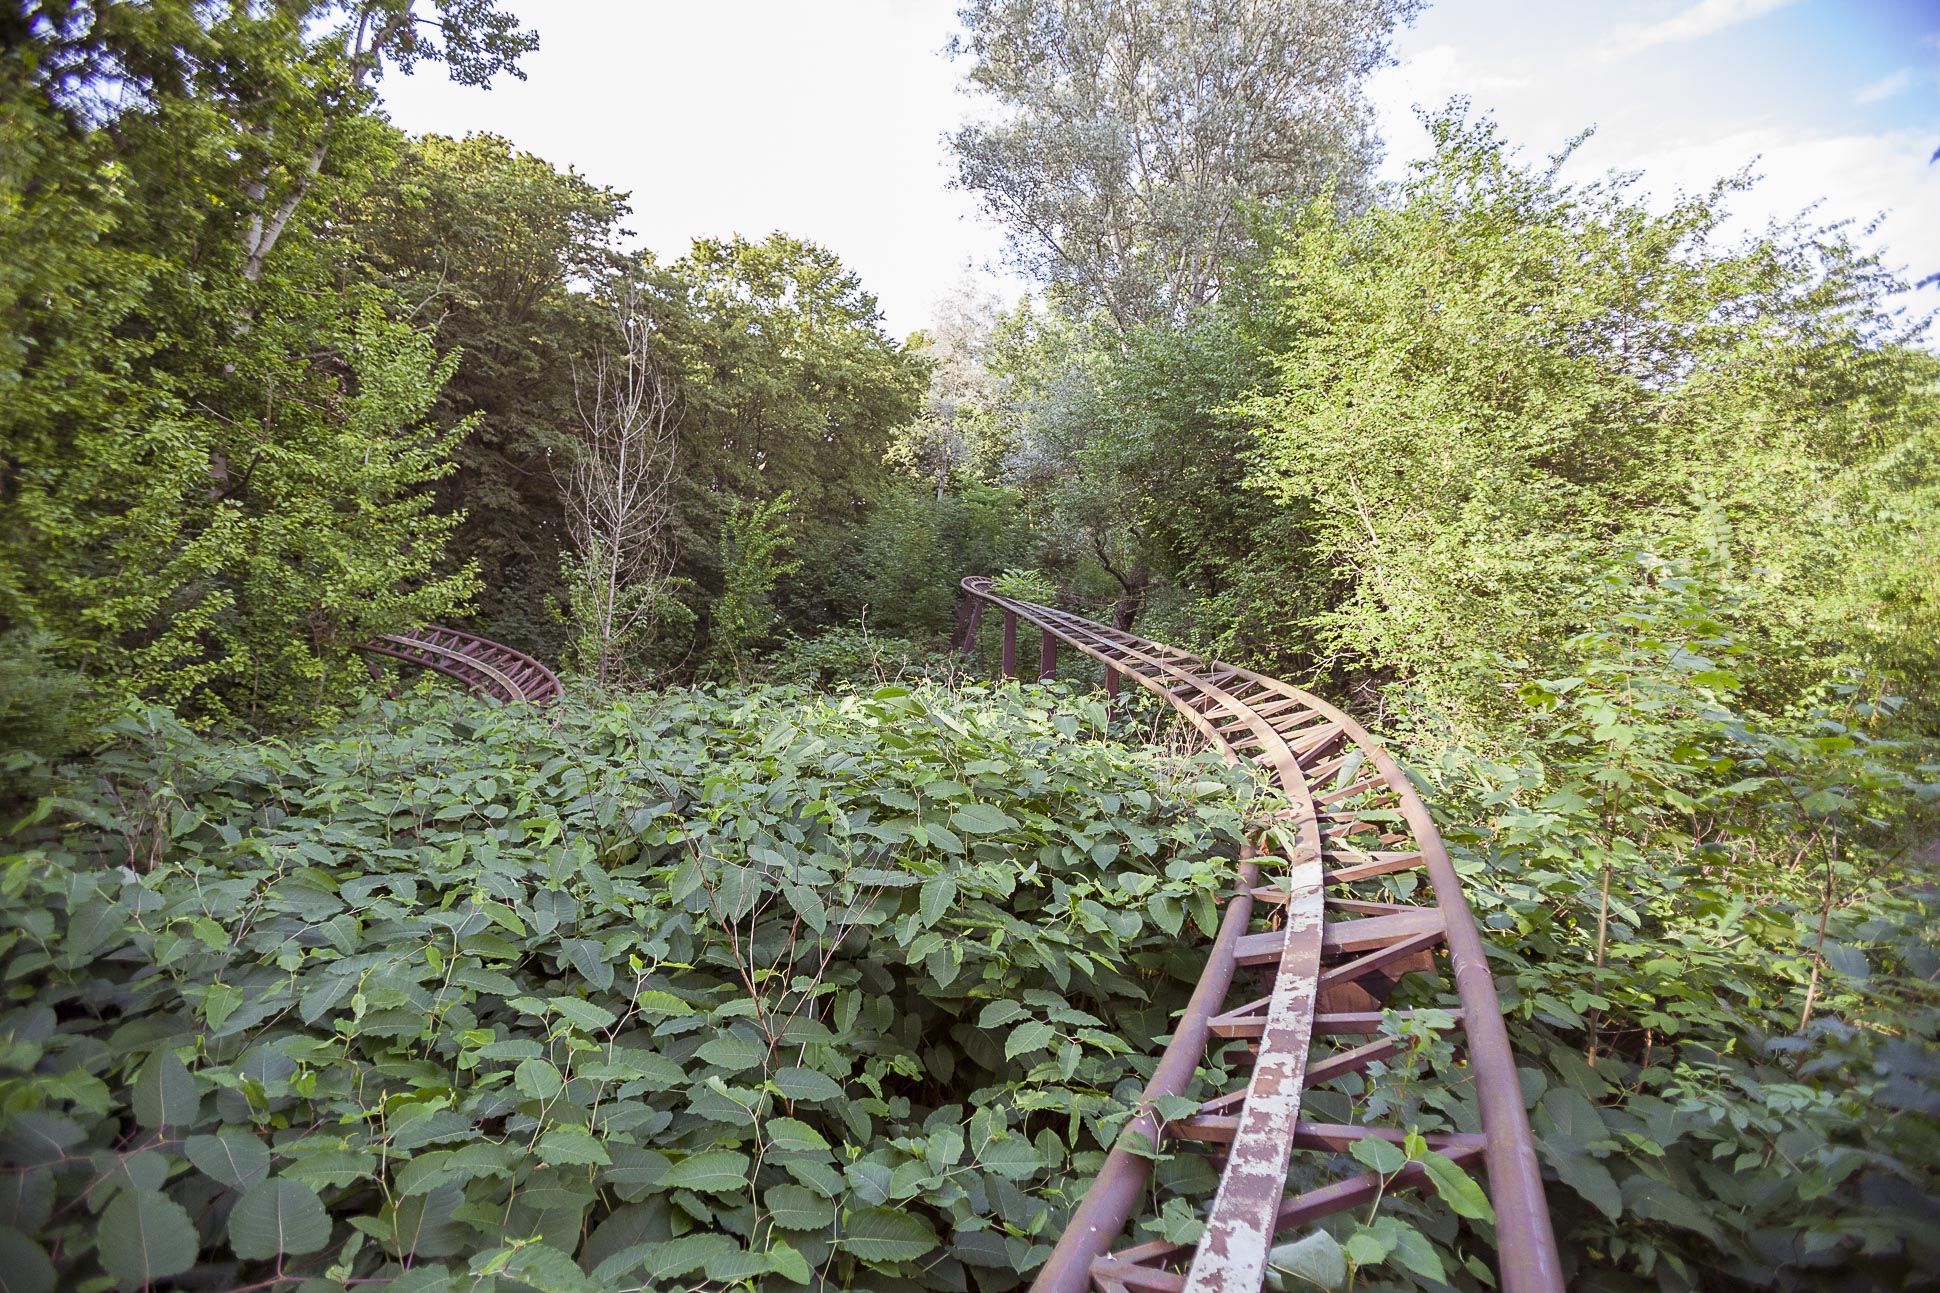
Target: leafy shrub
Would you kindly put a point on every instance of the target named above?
(902, 564)
(854, 657)
(41, 714)
(767, 990)
(1474, 411)
(1025, 586)
(1719, 976)
(614, 634)
(754, 536)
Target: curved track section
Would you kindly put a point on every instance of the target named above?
(1331, 882)
(484, 667)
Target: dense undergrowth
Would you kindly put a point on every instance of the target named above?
(762, 989)
(1717, 949)
(777, 990)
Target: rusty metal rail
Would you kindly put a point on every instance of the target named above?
(484, 667)
(1340, 936)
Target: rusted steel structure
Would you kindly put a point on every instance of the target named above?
(1338, 938)
(484, 667)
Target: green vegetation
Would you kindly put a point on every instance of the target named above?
(1493, 386)
(1720, 962)
(734, 987)
(1623, 533)
(216, 446)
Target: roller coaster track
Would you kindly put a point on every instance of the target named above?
(1338, 937)
(484, 667)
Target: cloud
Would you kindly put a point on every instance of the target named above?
(1884, 88)
(1442, 70)
(1428, 78)
(1699, 20)
(1842, 176)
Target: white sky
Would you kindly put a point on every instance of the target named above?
(826, 120)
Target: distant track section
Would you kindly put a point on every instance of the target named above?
(482, 666)
(1334, 883)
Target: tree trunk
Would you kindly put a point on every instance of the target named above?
(1132, 600)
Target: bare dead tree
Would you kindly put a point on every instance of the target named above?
(618, 490)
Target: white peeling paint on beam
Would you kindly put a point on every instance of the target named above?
(1232, 1253)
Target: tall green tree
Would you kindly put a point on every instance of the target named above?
(1225, 566)
(215, 450)
(1130, 139)
(957, 436)
(792, 385)
(772, 349)
(505, 252)
(1491, 387)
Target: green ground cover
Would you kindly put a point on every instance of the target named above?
(693, 987)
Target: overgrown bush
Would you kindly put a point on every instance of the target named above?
(1719, 970)
(1025, 586)
(41, 714)
(900, 567)
(763, 990)
(854, 657)
(754, 537)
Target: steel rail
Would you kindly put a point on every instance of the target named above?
(484, 667)
(1354, 817)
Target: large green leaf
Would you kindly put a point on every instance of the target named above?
(1660, 1201)
(1457, 1188)
(789, 1263)
(982, 819)
(572, 1145)
(427, 1277)
(737, 1265)
(276, 1218)
(590, 959)
(885, 1235)
(793, 1134)
(713, 1171)
(999, 1013)
(26, 1199)
(734, 1054)
(795, 1207)
(538, 1079)
(1413, 1250)
(1031, 1035)
(1313, 1260)
(806, 1084)
(232, 1155)
(1572, 1125)
(538, 1266)
(1010, 1157)
(24, 1267)
(938, 895)
(583, 1014)
(144, 1237)
(666, 1260)
(1382, 1156)
(165, 1094)
(329, 1168)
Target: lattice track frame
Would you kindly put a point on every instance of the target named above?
(482, 666)
(1351, 816)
